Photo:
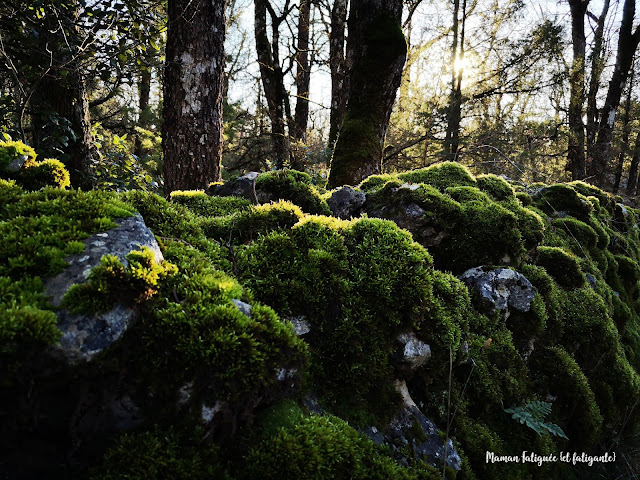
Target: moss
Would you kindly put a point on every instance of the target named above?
(358, 283)
(524, 198)
(531, 226)
(168, 220)
(486, 235)
(574, 407)
(579, 233)
(193, 333)
(499, 377)
(247, 225)
(497, 187)
(441, 176)
(209, 206)
(48, 173)
(558, 198)
(464, 194)
(374, 182)
(554, 300)
(295, 187)
(13, 150)
(604, 199)
(317, 448)
(112, 282)
(161, 455)
(561, 265)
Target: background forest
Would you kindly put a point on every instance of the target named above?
(536, 90)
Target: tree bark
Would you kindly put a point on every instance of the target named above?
(454, 116)
(272, 77)
(144, 92)
(339, 69)
(627, 45)
(303, 78)
(575, 155)
(597, 66)
(625, 147)
(59, 105)
(633, 168)
(379, 51)
(194, 70)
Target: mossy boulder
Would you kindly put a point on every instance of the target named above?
(18, 161)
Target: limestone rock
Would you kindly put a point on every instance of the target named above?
(430, 446)
(84, 336)
(345, 202)
(499, 290)
(413, 352)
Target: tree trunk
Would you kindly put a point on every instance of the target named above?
(194, 70)
(339, 69)
(59, 105)
(597, 66)
(454, 114)
(575, 155)
(633, 169)
(627, 45)
(272, 79)
(303, 78)
(144, 91)
(626, 127)
(379, 50)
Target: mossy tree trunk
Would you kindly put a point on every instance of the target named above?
(378, 48)
(628, 41)
(193, 81)
(575, 154)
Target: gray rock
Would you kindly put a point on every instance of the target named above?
(84, 336)
(431, 446)
(346, 202)
(245, 308)
(499, 290)
(592, 280)
(300, 325)
(414, 352)
(374, 435)
(243, 186)
(16, 165)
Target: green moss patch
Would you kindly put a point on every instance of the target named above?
(293, 186)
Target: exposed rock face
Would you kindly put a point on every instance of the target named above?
(243, 186)
(407, 214)
(499, 290)
(83, 336)
(430, 446)
(414, 353)
(346, 202)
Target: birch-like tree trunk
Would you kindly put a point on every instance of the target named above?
(378, 48)
(193, 81)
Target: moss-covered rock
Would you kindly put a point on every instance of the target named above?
(293, 186)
